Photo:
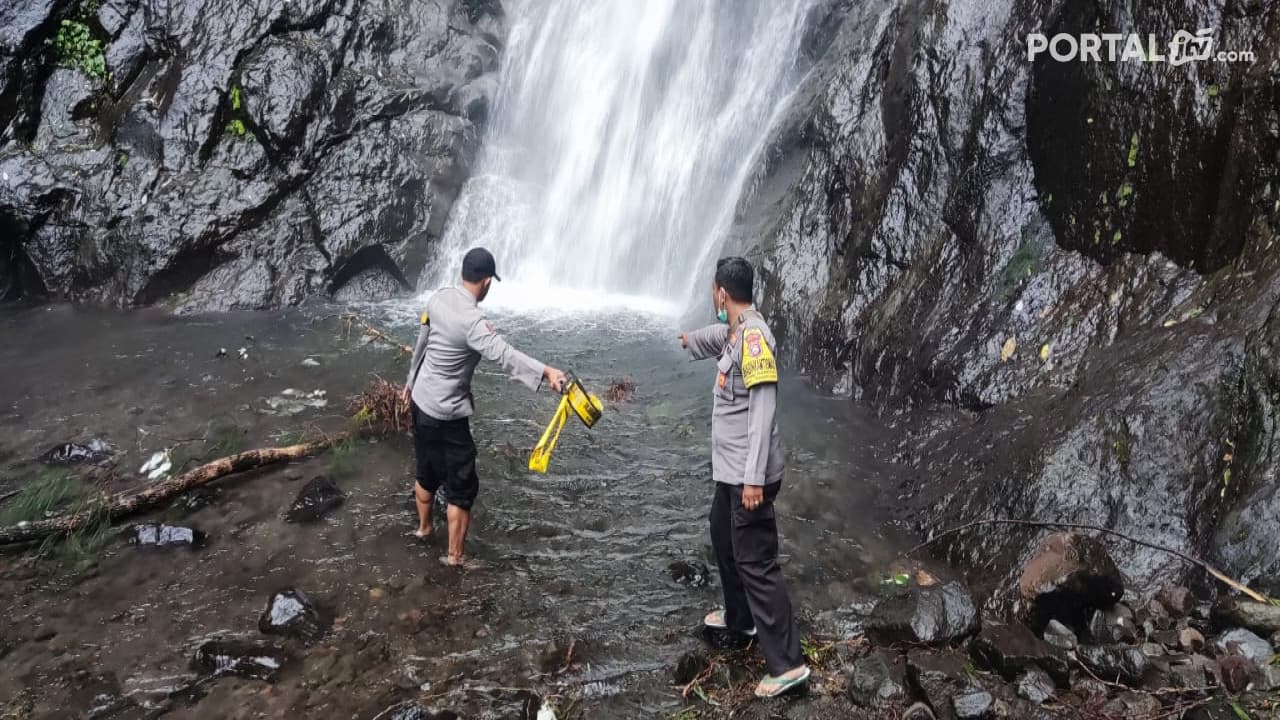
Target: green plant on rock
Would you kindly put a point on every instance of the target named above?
(236, 125)
(78, 48)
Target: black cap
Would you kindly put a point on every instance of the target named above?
(478, 265)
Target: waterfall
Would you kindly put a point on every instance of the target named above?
(620, 139)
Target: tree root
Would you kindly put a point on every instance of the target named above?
(373, 333)
(1095, 528)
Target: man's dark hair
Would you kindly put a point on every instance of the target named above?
(735, 275)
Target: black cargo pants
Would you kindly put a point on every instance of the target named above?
(746, 546)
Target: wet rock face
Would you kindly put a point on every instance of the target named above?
(928, 615)
(1116, 663)
(292, 614)
(237, 157)
(1011, 649)
(925, 222)
(317, 498)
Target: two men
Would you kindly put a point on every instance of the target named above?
(453, 337)
(747, 465)
(747, 459)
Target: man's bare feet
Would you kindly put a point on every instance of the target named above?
(422, 533)
(452, 561)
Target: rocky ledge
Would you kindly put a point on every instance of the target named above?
(219, 155)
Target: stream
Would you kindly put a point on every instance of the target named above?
(580, 555)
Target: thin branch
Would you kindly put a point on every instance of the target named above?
(1095, 528)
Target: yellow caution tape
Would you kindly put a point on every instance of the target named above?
(541, 456)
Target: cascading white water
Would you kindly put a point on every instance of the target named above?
(621, 136)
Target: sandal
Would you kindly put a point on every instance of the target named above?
(715, 621)
(771, 687)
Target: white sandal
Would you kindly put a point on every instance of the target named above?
(715, 621)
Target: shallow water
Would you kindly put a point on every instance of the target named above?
(578, 554)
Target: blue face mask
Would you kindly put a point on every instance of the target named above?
(723, 316)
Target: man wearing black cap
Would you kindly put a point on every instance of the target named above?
(454, 335)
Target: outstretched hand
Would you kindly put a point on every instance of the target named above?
(555, 378)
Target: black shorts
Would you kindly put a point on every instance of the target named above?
(446, 458)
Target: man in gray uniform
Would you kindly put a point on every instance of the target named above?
(454, 335)
(747, 464)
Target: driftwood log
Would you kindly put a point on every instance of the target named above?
(373, 333)
(130, 502)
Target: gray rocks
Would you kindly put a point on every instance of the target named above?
(91, 452)
(1011, 649)
(317, 498)
(1067, 577)
(292, 614)
(1132, 705)
(1191, 640)
(160, 535)
(1176, 600)
(1036, 686)
(1114, 663)
(973, 705)
(941, 677)
(878, 679)
(929, 615)
(688, 667)
(1060, 636)
(1113, 625)
(1259, 617)
(1243, 642)
(256, 660)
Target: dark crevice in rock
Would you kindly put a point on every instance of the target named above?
(370, 257)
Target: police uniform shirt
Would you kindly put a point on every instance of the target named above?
(745, 445)
(453, 337)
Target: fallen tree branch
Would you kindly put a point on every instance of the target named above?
(128, 503)
(374, 333)
(1095, 528)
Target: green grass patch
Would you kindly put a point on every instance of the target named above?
(345, 459)
(1021, 265)
(1133, 150)
(41, 497)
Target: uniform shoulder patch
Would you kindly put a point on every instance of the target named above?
(758, 363)
(424, 319)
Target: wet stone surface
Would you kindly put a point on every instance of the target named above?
(320, 496)
(292, 613)
(252, 659)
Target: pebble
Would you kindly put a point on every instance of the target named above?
(1191, 640)
(377, 593)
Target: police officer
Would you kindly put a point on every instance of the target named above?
(454, 335)
(747, 464)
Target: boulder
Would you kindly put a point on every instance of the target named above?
(878, 679)
(1259, 617)
(1176, 600)
(919, 711)
(930, 615)
(1243, 642)
(1010, 649)
(317, 498)
(1113, 625)
(1036, 686)
(161, 535)
(1067, 578)
(973, 705)
(1114, 663)
(252, 659)
(1190, 640)
(291, 613)
(1233, 672)
(688, 667)
(1060, 636)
